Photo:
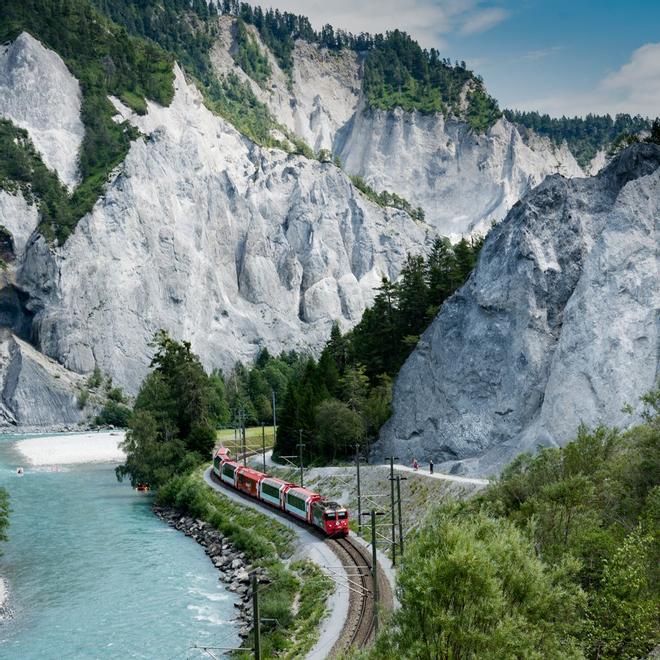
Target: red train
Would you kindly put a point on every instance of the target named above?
(298, 502)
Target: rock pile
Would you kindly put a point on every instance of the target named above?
(234, 568)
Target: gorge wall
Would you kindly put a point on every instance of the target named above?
(556, 326)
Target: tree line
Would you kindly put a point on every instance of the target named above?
(585, 136)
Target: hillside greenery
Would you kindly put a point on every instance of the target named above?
(344, 397)
(106, 61)
(249, 56)
(397, 71)
(559, 558)
(585, 136)
(386, 198)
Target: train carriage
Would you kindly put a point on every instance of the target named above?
(298, 502)
(248, 480)
(228, 472)
(272, 491)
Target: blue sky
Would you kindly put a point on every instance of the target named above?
(561, 57)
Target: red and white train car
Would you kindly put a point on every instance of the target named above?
(301, 503)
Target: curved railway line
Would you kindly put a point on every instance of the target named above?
(356, 560)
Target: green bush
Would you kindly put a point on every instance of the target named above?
(249, 57)
(113, 414)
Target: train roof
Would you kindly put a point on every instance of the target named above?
(304, 492)
(281, 482)
(252, 473)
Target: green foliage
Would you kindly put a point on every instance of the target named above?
(585, 136)
(596, 502)
(386, 198)
(83, 398)
(398, 72)
(249, 56)
(355, 371)
(472, 586)
(105, 60)
(95, 378)
(113, 414)
(172, 427)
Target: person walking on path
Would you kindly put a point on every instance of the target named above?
(431, 466)
(415, 464)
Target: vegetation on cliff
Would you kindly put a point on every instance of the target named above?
(558, 558)
(106, 61)
(585, 136)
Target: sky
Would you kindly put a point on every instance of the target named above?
(567, 57)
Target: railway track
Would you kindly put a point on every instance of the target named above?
(356, 559)
(359, 627)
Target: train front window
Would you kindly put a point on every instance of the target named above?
(342, 515)
(330, 516)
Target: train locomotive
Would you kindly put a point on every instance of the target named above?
(294, 500)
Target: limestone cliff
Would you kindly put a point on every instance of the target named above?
(201, 232)
(462, 180)
(556, 326)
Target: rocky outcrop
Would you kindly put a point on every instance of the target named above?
(39, 94)
(213, 238)
(35, 390)
(556, 326)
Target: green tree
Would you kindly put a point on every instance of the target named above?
(624, 611)
(339, 428)
(471, 586)
(173, 423)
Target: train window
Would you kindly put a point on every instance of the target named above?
(342, 514)
(270, 490)
(296, 502)
(331, 516)
(228, 470)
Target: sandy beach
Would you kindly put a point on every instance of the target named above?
(101, 447)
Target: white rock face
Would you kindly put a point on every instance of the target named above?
(556, 326)
(39, 94)
(19, 217)
(218, 241)
(463, 181)
(35, 391)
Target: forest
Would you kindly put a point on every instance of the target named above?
(585, 136)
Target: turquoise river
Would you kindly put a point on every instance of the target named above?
(92, 573)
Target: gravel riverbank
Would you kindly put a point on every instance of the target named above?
(232, 565)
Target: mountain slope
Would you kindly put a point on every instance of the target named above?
(204, 233)
(556, 326)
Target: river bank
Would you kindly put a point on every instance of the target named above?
(232, 564)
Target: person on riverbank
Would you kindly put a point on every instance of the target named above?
(415, 464)
(431, 466)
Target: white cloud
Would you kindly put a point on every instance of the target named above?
(483, 20)
(535, 55)
(634, 88)
(425, 20)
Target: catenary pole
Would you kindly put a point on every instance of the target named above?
(374, 564)
(398, 501)
(392, 506)
(359, 493)
(263, 443)
(256, 618)
(300, 455)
